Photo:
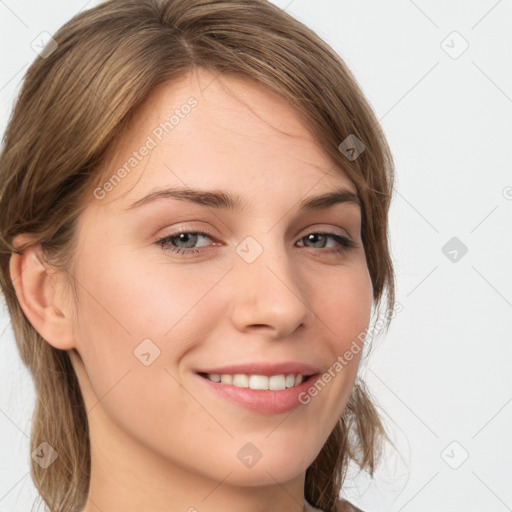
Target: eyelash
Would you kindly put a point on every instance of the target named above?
(345, 243)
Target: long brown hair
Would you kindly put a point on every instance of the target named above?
(75, 100)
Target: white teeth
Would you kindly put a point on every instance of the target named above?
(258, 382)
(226, 379)
(277, 382)
(240, 380)
(274, 382)
(290, 381)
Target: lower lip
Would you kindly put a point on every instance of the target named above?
(260, 400)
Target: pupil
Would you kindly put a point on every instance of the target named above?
(315, 238)
(188, 239)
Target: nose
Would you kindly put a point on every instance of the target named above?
(269, 294)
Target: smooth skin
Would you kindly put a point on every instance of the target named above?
(161, 441)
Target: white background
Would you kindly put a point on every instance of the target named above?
(442, 372)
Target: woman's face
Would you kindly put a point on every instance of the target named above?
(260, 275)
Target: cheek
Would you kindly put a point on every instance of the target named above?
(129, 307)
(141, 297)
(344, 310)
(123, 303)
(343, 305)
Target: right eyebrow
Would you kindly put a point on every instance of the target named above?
(213, 198)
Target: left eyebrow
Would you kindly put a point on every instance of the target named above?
(329, 199)
(222, 200)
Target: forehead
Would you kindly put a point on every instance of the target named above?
(207, 131)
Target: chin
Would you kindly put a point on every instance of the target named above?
(278, 464)
(265, 475)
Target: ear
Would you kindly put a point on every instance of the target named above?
(40, 291)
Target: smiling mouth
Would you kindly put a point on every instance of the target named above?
(258, 382)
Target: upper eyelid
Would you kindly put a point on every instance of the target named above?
(326, 230)
(315, 227)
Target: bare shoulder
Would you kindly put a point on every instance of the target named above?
(346, 506)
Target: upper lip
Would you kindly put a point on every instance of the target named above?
(267, 369)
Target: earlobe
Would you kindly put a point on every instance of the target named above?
(37, 289)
